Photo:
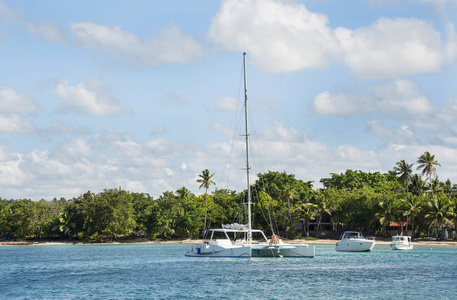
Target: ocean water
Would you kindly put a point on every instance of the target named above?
(151, 271)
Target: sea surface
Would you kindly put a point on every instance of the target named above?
(152, 271)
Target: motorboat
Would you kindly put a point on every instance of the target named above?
(240, 240)
(353, 241)
(401, 242)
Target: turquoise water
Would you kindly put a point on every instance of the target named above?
(163, 272)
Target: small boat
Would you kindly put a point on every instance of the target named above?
(246, 242)
(353, 241)
(401, 242)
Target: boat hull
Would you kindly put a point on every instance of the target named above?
(283, 250)
(401, 247)
(212, 250)
(257, 250)
(355, 246)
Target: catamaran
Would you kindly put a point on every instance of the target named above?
(239, 240)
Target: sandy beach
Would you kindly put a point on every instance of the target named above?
(380, 241)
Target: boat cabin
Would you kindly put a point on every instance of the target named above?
(401, 239)
(352, 235)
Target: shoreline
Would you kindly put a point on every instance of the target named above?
(381, 241)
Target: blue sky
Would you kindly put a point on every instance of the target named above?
(143, 94)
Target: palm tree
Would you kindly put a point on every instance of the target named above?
(64, 224)
(184, 193)
(427, 163)
(322, 207)
(404, 170)
(436, 186)
(439, 213)
(388, 212)
(417, 185)
(289, 195)
(412, 207)
(446, 187)
(306, 212)
(206, 182)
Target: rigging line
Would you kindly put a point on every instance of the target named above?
(239, 213)
(210, 218)
(271, 224)
(262, 167)
(225, 172)
(263, 213)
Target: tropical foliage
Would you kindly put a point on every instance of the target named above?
(356, 200)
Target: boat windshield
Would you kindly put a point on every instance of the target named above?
(352, 235)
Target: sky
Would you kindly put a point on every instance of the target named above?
(144, 95)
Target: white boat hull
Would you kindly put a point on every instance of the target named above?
(214, 250)
(355, 246)
(256, 250)
(401, 247)
(395, 246)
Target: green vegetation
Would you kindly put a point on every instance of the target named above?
(354, 200)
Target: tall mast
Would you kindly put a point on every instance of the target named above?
(247, 149)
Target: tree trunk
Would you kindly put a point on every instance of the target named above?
(206, 205)
(318, 226)
(307, 228)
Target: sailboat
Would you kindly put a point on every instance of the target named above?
(240, 240)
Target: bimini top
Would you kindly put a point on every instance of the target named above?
(235, 226)
(234, 230)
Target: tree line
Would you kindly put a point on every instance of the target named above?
(354, 200)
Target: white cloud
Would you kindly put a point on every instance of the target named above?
(77, 148)
(279, 36)
(169, 46)
(10, 174)
(65, 128)
(342, 104)
(90, 97)
(12, 123)
(6, 12)
(12, 102)
(41, 28)
(224, 129)
(393, 47)
(46, 30)
(228, 104)
(402, 97)
(284, 36)
(109, 159)
(402, 134)
(159, 130)
(399, 99)
(444, 119)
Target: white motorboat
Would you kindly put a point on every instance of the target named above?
(401, 242)
(245, 241)
(353, 241)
